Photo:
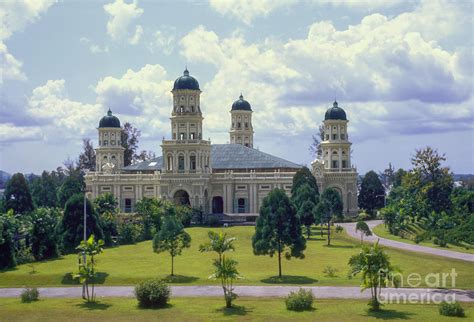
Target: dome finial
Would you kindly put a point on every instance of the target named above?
(109, 112)
(335, 103)
(186, 72)
(241, 97)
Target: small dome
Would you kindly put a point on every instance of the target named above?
(241, 105)
(186, 82)
(109, 120)
(335, 113)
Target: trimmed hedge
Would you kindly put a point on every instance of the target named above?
(153, 293)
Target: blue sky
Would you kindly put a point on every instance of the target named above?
(402, 70)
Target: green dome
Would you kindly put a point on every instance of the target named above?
(186, 82)
(335, 113)
(109, 120)
(241, 105)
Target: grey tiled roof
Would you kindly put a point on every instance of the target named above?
(228, 156)
(149, 165)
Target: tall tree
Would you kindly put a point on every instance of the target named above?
(171, 238)
(334, 199)
(130, 136)
(17, 195)
(435, 181)
(87, 157)
(7, 245)
(372, 193)
(278, 229)
(301, 177)
(315, 147)
(44, 190)
(106, 207)
(388, 175)
(71, 228)
(72, 185)
(306, 215)
(150, 211)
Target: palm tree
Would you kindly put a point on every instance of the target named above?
(87, 270)
(377, 272)
(226, 271)
(219, 243)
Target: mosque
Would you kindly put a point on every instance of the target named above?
(230, 179)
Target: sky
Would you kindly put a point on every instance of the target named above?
(402, 71)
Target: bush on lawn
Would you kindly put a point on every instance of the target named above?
(153, 293)
(29, 295)
(299, 301)
(451, 309)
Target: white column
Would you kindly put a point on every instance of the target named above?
(340, 159)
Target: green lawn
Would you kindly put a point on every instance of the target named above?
(381, 231)
(211, 309)
(127, 265)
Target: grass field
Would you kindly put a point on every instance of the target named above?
(211, 309)
(127, 265)
(381, 231)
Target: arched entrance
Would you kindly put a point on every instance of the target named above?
(217, 205)
(181, 198)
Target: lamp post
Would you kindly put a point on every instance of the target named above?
(85, 171)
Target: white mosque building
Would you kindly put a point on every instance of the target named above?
(230, 179)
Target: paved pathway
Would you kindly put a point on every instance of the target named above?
(350, 228)
(256, 291)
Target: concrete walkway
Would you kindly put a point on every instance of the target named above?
(350, 228)
(322, 292)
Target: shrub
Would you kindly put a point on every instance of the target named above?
(299, 301)
(339, 229)
(363, 216)
(330, 271)
(153, 293)
(451, 309)
(213, 221)
(129, 233)
(29, 295)
(440, 242)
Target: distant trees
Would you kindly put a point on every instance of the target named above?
(315, 147)
(86, 159)
(17, 195)
(372, 193)
(305, 196)
(106, 207)
(278, 229)
(171, 238)
(73, 184)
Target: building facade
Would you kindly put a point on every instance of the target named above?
(229, 179)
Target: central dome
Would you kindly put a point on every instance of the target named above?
(186, 82)
(109, 120)
(241, 105)
(335, 113)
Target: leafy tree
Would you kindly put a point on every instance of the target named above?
(44, 190)
(71, 227)
(226, 271)
(150, 211)
(87, 269)
(72, 185)
(398, 177)
(129, 137)
(278, 228)
(305, 192)
(106, 207)
(306, 215)
(436, 182)
(322, 213)
(335, 202)
(376, 271)
(146, 155)
(364, 229)
(44, 241)
(171, 238)
(184, 215)
(301, 177)
(219, 243)
(7, 246)
(315, 147)
(371, 195)
(17, 195)
(87, 157)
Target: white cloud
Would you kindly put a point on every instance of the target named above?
(10, 133)
(61, 117)
(15, 15)
(136, 36)
(248, 10)
(143, 96)
(163, 40)
(122, 15)
(94, 48)
(382, 69)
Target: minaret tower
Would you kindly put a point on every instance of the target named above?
(336, 147)
(334, 169)
(110, 153)
(186, 152)
(241, 130)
